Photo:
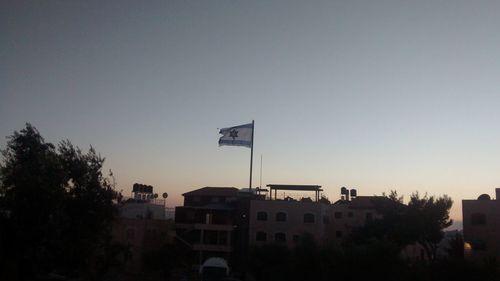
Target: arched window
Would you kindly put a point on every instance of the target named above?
(261, 216)
(308, 218)
(280, 216)
(261, 236)
(280, 237)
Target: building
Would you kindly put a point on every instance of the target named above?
(481, 226)
(349, 214)
(225, 221)
(285, 220)
(206, 223)
(142, 225)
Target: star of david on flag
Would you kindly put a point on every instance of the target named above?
(237, 136)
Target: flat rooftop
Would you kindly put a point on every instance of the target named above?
(295, 187)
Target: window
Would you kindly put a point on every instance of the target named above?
(261, 236)
(349, 214)
(280, 237)
(295, 238)
(308, 218)
(338, 215)
(338, 234)
(280, 216)
(261, 216)
(326, 220)
(196, 199)
(478, 219)
(369, 217)
(214, 199)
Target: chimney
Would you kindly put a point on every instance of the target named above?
(497, 193)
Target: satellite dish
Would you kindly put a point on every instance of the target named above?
(155, 195)
(165, 195)
(484, 197)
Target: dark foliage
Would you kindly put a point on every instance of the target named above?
(56, 209)
(422, 221)
(170, 262)
(375, 260)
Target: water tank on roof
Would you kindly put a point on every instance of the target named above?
(354, 193)
(344, 191)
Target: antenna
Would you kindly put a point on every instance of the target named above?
(260, 185)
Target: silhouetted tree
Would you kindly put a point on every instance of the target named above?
(456, 247)
(421, 221)
(56, 208)
(429, 216)
(271, 262)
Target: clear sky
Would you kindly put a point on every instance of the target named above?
(376, 95)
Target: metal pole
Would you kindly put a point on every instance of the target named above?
(260, 184)
(251, 157)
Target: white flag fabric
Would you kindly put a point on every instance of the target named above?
(237, 136)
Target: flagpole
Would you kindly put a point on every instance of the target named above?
(251, 157)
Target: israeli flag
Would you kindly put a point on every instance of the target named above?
(237, 136)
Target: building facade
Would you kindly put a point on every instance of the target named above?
(206, 223)
(225, 221)
(142, 226)
(481, 226)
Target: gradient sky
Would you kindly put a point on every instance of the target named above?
(376, 95)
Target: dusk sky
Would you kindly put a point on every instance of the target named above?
(373, 95)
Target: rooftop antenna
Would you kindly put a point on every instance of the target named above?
(260, 185)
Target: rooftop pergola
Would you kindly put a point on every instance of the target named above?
(316, 188)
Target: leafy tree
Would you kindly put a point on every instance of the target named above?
(429, 217)
(56, 208)
(421, 221)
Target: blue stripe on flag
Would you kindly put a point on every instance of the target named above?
(249, 126)
(235, 142)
